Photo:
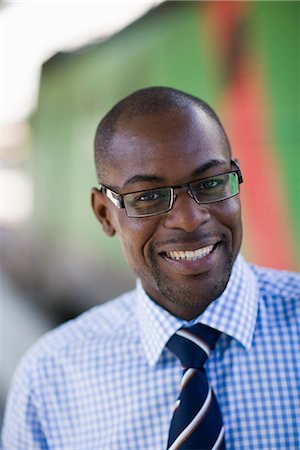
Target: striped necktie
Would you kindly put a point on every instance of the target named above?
(197, 421)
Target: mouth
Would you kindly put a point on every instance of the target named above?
(197, 257)
(188, 262)
(190, 255)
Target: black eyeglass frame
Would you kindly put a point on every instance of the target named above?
(118, 199)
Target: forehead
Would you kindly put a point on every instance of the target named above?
(168, 145)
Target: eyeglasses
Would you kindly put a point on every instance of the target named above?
(160, 200)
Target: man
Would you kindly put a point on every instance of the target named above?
(109, 379)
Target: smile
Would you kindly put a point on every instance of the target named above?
(190, 255)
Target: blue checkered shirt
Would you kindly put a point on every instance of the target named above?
(105, 381)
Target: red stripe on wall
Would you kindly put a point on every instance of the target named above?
(269, 230)
(244, 107)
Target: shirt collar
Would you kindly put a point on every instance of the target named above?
(233, 313)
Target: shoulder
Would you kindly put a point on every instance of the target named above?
(278, 283)
(56, 370)
(98, 327)
(279, 292)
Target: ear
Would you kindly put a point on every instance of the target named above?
(101, 209)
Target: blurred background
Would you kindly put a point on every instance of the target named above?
(64, 64)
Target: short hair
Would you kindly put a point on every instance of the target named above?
(144, 102)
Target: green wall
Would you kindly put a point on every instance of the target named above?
(166, 47)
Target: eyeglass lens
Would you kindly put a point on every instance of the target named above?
(156, 201)
(149, 202)
(216, 188)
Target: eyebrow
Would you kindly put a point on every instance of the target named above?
(145, 178)
(209, 165)
(155, 179)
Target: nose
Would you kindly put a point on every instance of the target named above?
(186, 214)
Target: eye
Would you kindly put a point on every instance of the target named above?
(147, 197)
(212, 183)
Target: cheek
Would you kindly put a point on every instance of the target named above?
(232, 211)
(233, 220)
(135, 237)
(229, 215)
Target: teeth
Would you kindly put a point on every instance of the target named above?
(191, 255)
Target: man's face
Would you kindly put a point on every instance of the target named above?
(167, 149)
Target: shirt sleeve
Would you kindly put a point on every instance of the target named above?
(22, 426)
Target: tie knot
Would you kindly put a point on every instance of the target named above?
(192, 345)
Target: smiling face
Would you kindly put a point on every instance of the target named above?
(183, 257)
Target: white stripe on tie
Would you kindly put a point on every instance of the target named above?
(193, 424)
(188, 374)
(194, 339)
(219, 440)
(177, 403)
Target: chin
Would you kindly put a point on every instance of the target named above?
(200, 297)
(197, 292)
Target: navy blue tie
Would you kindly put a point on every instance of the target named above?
(197, 421)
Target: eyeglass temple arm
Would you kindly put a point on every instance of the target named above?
(116, 199)
(239, 172)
